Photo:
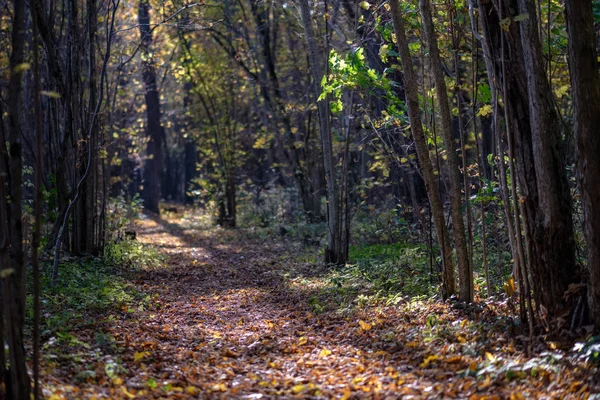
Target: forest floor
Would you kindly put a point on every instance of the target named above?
(237, 314)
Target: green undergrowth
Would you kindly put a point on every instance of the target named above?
(380, 273)
(129, 254)
(88, 290)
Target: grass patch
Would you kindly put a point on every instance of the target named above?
(380, 273)
(392, 269)
(89, 289)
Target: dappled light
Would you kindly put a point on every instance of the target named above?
(307, 199)
(230, 315)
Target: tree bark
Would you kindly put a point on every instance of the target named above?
(14, 289)
(539, 159)
(554, 244)
(585, 83)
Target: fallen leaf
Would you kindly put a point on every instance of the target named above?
(364, 325)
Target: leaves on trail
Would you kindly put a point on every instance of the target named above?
(364, 325)
(139, 355)
(232, 315)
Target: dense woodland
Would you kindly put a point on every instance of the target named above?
(446, 155)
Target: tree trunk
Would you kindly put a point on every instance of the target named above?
(554, 266)
(464, 268)
(585, 83)
(335, 248)
(154, 130)
(14, 289)
(544, 194)
(414, 115)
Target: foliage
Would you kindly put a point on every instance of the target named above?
(127, 254)
(85, 290)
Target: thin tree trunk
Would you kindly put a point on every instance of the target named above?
(525, 298)
(35, 242)
(334, 253)
(460, 242)
(414, 115)
(14, 289)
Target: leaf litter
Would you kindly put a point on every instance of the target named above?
(230, 315)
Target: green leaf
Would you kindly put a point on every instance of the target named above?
(336, 106)
(521, 17)
(6, 272)
(22, 68)
(365, 5)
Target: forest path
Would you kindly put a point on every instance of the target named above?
(233, 315)
(241, 314)
(232, 318)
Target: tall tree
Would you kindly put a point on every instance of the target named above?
(154, 130)
(535, 131)
(337, 250)
(464, 269)
(416, 126)
(14, 272)
(585, 83)
(553, 258)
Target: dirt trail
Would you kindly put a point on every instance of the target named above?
(230, 317)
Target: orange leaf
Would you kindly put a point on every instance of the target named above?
(364, 325)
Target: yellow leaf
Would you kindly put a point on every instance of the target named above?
(324, 353)
(219, 387)
(485, 110)
(364, 325)
(365, 5)
(490, 357)
(562, 91)
(298, 389)
(139, 355)
(54, 95)
(509, 287)
(22, 68)
(6, 272)
(429, 360)
(128, 394)
(117, 381)
(302, 340)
